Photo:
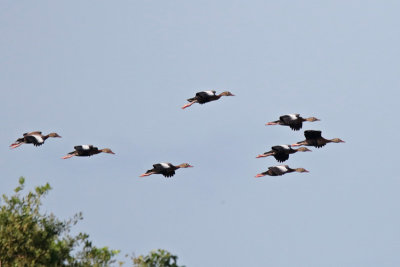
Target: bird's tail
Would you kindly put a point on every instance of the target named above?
(191, 99)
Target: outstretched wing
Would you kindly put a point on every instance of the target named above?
(293, 121)
(281, 157)
(275, 171)
(168, 173)
(314, 138)
(34, 138)
(205, 96)
(281, 152)
(85, 150)
(311, 134)
(166, 169)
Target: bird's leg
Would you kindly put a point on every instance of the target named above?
(259, 175)
(271, 123)
(296, 144)
(188, 105)
(67, 156)
(264, 155)
(147, 174)
(15, 145)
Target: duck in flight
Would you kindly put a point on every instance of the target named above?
(35, 138)
(294, 121)
(281, 153)
(166, 169)
(206, 96)
(314, 138)
(86, 151)
(280, 170)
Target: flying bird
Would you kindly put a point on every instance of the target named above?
(166, 169)
(281, 153)
(86, 151)
(280, 170)
(35, 138)
(206, 96)
(294, 121)
(314, 138)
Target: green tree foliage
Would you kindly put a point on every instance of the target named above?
(156, 258)
(31, 238)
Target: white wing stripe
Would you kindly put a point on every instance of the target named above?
(282, 168)
(38, 138)
(165, 165)
(85, 147)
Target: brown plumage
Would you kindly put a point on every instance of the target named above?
(314, 138)
(294, 121)
(166, 169)
(86, 151)
(35, 138)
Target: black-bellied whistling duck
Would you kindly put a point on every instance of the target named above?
(166, 169)
(281, 153)
(206, 96)
(294, 121)
(35, 138)
(314, 138)
(280, 170)
(86, 151)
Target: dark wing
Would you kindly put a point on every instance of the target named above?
(158, 167)
(85, 152)
(203, 97)
(311, 134)
(281, 157)
(275, 171)
(80, 148)
(32, 140)
(320, 143)
(294, 124)
(167, 172)
(314, 138)
(281, 154)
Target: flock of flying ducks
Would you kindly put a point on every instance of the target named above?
(281, 153)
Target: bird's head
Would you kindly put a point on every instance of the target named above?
(227, 93)
(301, 170)
(107, 150)
(312, 119)
(303, 149)
(184, 165)
(54, 135)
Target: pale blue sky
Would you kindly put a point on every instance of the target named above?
(115, 74)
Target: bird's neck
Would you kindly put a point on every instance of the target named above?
(177, 167)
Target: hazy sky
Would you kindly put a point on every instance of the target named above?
(115, 74)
